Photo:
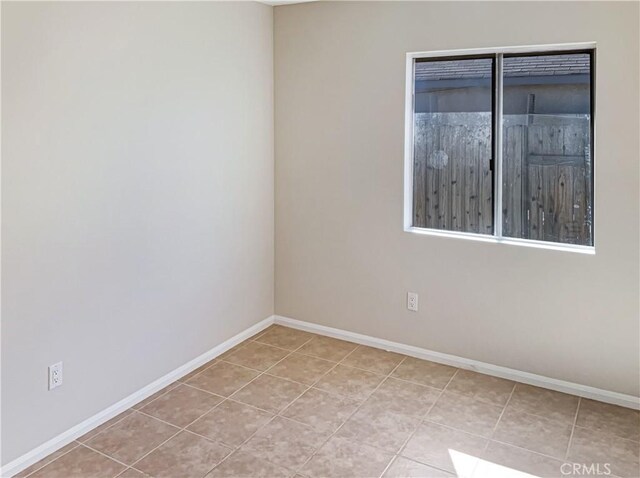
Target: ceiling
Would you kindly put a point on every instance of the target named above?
(275, 3)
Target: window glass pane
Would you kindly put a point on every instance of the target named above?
(452, 182)
(547, 158)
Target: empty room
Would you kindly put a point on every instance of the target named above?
(320, 239)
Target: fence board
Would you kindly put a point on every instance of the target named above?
(456, 188)
(512, 181)
(421, 140)
(536, 207)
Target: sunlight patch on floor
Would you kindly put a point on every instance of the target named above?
(468, 466)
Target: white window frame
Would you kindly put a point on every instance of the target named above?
(496, 237)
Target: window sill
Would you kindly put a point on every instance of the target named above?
(554, 246)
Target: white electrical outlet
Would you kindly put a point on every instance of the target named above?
(412, 301)
(55, 375)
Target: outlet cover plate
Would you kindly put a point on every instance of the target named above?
(55, 375)
(412, 301)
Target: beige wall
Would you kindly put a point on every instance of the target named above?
(342, 258)
(137, 197)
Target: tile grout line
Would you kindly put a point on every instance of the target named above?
(280, 413)
(180, 430)
(421, 421)
(109, 427)
(610, 435)
(275, 415)
(391, 462)
(196, 433)
(506, 404)
(527, 450)
(340, 362)
(77, 444)
(233, 450)
(335, 432)
(184, 377)
(539, 415)
(573, 429)
(313, 387)
(318, 358)
(107, 456)
(489, 438)
(335, 365)
(310, 387)
(264, 372)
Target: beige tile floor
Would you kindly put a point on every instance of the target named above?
(288, 403)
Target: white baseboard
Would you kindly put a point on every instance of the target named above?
(38, 453)
(585, 391)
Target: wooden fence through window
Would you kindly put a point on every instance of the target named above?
(546, 175)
